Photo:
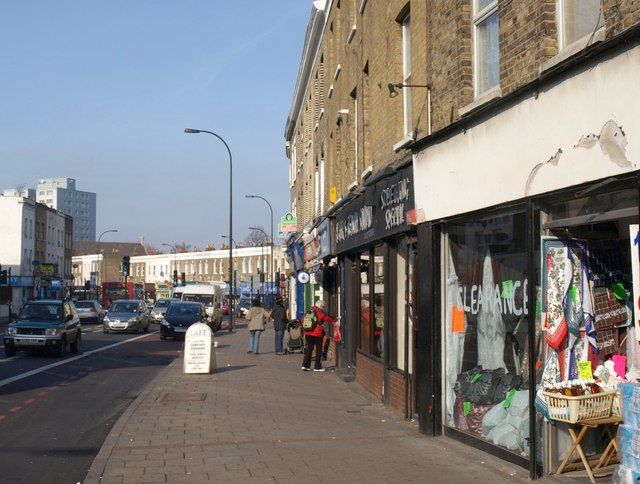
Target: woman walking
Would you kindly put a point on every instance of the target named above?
(257, 317)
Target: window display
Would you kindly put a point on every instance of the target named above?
(372, 302)
(486, 360)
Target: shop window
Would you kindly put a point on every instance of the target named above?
(372, 302)
(486, 329)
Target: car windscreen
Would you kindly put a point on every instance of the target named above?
(206, 299)
(85, 304)
(119, 307)
(182, 309)
(162, 303)
(45, 312)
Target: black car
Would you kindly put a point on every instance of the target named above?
(179, 316)
(44, 325)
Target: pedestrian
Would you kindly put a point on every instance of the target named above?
(280, 321)
(314, 337)
(257, 317)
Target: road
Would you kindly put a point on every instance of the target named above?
(56, 412)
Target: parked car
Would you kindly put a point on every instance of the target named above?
(179, 316)
(126, 315)
(46, 324)
(90, 310)
(159, 308)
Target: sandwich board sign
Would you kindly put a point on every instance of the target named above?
(199, 353)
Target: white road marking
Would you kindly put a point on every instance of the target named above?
(66, 360)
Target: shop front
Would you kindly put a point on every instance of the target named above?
(528, 248)
(375, 244)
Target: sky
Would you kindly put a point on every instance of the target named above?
(101, 91)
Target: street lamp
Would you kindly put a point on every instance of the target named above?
(175, 257)
(231, 291)
(231, 244)
(271, 226)
(98, 279)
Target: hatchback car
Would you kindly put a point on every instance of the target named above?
(46, 324)
(90, 311)
(126, 315)
(179, 316)
(159, 308)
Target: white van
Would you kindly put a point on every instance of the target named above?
(208, 294)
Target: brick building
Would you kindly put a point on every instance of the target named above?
(447, 158)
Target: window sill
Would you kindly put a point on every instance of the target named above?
(403, 142)
(572, 49)
(484, 98)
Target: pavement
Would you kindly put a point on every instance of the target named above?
(260, 418)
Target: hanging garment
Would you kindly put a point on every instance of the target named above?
(491, 328)
(587, 306)
(559, 275)
(454, 338)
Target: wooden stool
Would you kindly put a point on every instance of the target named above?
(602, 465)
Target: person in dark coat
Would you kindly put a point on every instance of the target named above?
(280, 321)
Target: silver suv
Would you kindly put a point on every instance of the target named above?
(46, 324)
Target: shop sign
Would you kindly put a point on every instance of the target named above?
(288, 225)
(378, 213)
(310, 250)
(394, 198)
(354, 225)
(48, 269)
(323, 237)
(297, 255)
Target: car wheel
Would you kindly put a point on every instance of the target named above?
(139, 329)
(9, 351)
(146, 328)
(75, 346)
(105, 331)
(62, 347)
(162, 336)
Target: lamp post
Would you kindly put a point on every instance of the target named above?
(262, 245)
(231, 244)
(98, 279)
(231, 291)
(175, 258)
(271, 227)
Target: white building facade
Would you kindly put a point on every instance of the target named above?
(35, 247)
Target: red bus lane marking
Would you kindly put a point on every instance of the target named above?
(14, 409)
(29, 401)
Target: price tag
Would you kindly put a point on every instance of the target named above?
(584, 370)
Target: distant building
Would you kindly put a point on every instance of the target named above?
(61, 194)
(35, 249)
(23, 192)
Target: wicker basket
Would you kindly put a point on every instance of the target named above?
(577, 409)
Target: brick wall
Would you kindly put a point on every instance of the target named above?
(370, 375)
(397, 392)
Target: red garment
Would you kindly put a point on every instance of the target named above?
(321, 316)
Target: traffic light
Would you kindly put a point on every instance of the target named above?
(3, 277)
(175, 278)
(126, 265)
(184, 279)
(87, 285)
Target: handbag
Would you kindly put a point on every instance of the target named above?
(337, 336)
